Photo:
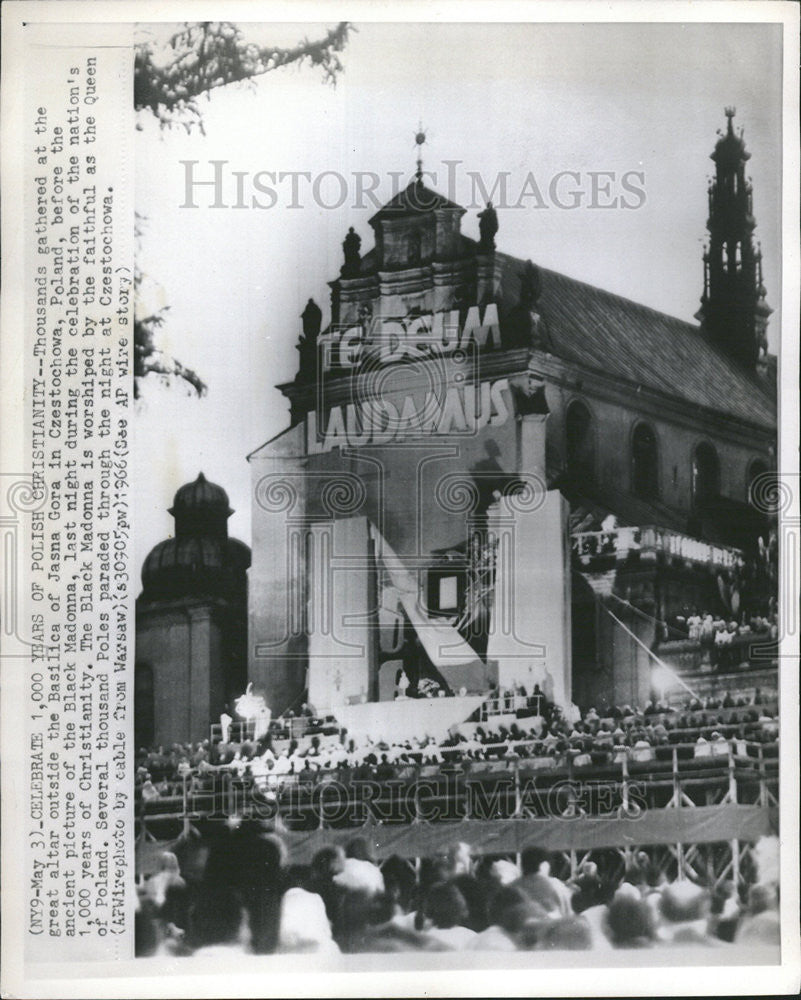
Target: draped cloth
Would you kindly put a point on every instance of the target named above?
(440, 640)
(703, 824)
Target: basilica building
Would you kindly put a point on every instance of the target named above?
(453, 376)
(494, 476)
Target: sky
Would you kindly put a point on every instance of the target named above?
(515, 99)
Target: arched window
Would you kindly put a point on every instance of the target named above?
(706, 473)
(644, 462)
(579, 444)
(144, 706)
(755, 469)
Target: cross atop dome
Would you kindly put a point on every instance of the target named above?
(419, 139)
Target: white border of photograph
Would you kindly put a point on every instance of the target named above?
(406, 975)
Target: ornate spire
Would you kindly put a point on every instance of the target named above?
(733, 308)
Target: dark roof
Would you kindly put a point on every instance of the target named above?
(618, 337)
(369, 261)
(415, 199)
(590, 502)
(195, 566)
(201, 494)
(200, 560)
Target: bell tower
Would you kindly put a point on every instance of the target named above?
(733, 308)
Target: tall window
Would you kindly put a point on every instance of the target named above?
(144, 706)
(706, 473)
(413, 248)
(644, 462)
(578, 434)
(755, 469)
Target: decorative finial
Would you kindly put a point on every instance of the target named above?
(419, 138)
(730, 112)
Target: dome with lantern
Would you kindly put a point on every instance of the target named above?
(200, 560)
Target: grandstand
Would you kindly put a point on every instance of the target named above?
(681, 783)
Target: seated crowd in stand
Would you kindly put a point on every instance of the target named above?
(248, 899)
(715, 727)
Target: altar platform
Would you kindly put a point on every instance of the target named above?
(406, 718)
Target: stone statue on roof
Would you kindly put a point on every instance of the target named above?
(487, 227)
(312, 318)
(351, 247)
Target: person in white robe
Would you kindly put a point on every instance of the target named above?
(225, 726)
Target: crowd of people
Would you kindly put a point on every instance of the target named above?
(247, 898)
(715, 726)
(717, 635)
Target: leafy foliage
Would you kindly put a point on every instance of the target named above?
(213, 54)
(148, 358)
(201, 58)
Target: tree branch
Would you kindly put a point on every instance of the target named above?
(214, 54)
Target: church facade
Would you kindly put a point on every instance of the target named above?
(470, 422)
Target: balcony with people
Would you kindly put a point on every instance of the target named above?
(614, 545)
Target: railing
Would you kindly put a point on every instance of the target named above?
(238, 731)
(293, 728)
(723, 716)
(508, 704)
(512, 787)
(676, 544)
(687, 656)
(589, 545)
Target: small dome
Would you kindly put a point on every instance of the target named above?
(194, 566)
(730, 147)
(201, 560)
(200, 495)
